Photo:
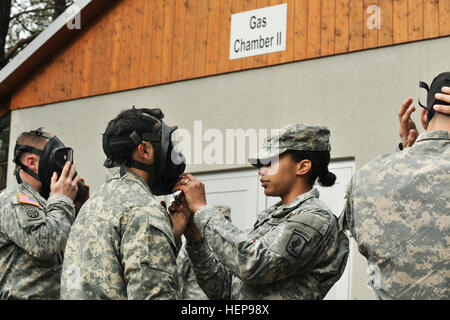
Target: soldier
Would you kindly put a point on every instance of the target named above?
(294, 250)
(397, 208)
(123, 244)
(35, 217)
(190, 290)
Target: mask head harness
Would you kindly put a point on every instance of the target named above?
(52, 158)
(168, 165)
(440, 81)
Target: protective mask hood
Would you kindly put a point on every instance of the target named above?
(168, 165)
(442, 80)
(52, 159)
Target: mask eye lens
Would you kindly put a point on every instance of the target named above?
(62, 156)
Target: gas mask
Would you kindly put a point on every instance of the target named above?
(440, 81)
(52, 159)
(169, 164)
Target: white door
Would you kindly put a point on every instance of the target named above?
(242, 192)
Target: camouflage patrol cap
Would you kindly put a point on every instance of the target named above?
(300, 136)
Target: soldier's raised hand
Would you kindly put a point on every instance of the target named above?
(194, 191)
(65, 184)
(408, 130)
(445, 97)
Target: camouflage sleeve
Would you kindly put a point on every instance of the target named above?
(284, 251)
(41, 232)
(346, 218)
(148, 254)
(212, 276)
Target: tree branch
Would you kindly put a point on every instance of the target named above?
(33, 10)
(19, 45)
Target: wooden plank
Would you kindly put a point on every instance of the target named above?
(341, 38)
(356, 25)
(288, 54)
(430, 19)
(327, 26)
(415, 20)
(105, 51)
(201, 41)
(136, 44)
(301, 29)
(97, 48)
(146, 43)
(189, 40)
(178, 41)
(125, 45)
(116, 39)
(370, 36)
(400, 21)
(78, 49)
(67, 76)
(314, 24)
(87, 62)
(385, 32)
(168, 36)
(444, 18)
(213, 36)
(157, 41)
(225, 64)
(235, 64)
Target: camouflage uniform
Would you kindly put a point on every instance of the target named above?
(190, 290)
(121, 245)
(294, 251)
(397, 210)
(33, 234)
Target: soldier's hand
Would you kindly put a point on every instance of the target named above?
(180, 216)
(408, 131)
(194, 191)
(65, 184)
(445, 97)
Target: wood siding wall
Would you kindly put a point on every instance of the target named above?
(139, 43)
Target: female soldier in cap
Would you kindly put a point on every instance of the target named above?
(294, 250)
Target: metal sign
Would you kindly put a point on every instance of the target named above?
(258, 31)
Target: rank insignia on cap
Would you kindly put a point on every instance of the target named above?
(23, 198)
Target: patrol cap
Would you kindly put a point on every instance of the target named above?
(300, 136)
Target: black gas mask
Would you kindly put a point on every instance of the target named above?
(52, 159)
(442, 80)
(169, 164)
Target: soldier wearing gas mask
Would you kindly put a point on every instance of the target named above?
(397, 205)
(35, 217)
(123, 244)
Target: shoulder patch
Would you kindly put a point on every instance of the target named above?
(297, 242)
(26, 199)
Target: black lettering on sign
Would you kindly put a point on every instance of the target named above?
(257, 22)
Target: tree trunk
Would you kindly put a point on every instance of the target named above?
(5, 13)
(60, 6)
